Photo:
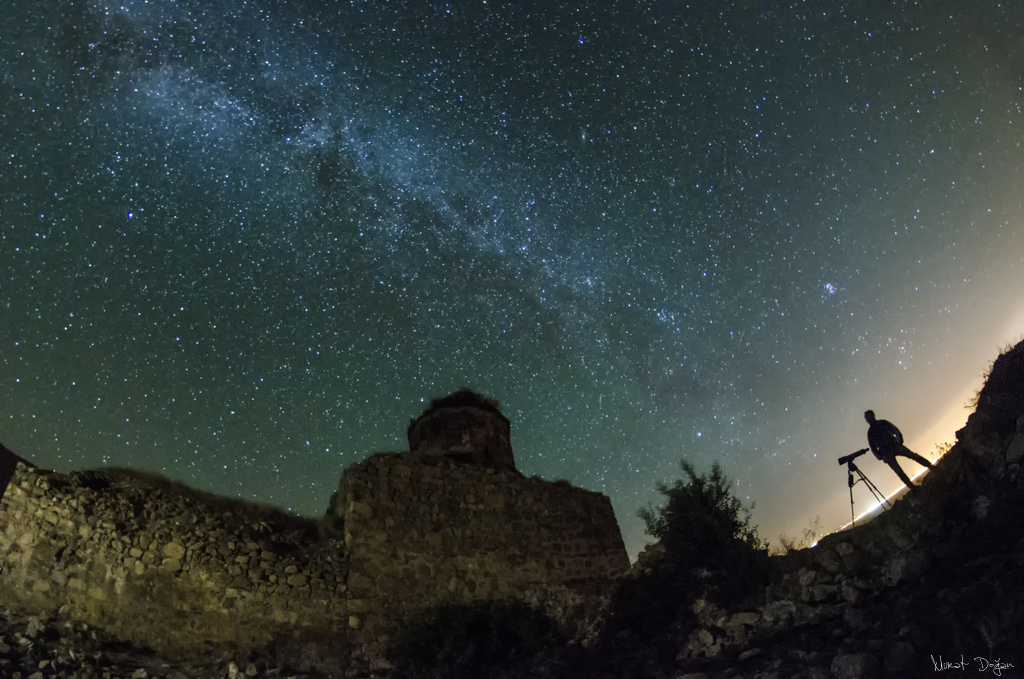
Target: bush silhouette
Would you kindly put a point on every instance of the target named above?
(702, 523)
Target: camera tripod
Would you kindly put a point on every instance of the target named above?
(851, 469)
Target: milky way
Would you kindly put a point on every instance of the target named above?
(244, 243)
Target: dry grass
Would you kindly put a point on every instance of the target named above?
(808, 538)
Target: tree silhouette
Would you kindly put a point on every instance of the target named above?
(702, 523)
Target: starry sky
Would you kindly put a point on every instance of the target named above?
(244, 243)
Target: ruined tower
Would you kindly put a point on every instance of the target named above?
(453, 522)
(465, 427)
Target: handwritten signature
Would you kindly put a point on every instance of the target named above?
(984, 664)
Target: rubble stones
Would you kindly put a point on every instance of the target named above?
(158, 568)
(854, 666)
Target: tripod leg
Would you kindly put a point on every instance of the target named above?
(849, 482)
(882, 500)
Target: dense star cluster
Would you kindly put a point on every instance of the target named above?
(244, 243)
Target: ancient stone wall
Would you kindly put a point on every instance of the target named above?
(195, 575)
(191, 574)
(424, 532)
(165, 567)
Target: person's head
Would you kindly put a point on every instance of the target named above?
(869, 415)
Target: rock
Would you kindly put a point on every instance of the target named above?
(359, 582)
(174, 550)
(359, 605)
(778, 613)
(895, 569)
(900, 660)
(831, 561)
(980, 507)
(819, 593)
(855, 618)
(746, 618)
(1015, 452)
(34, 626)
(854, 666)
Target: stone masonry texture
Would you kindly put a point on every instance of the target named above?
(422, 533)
(165, 567)
(194, 575)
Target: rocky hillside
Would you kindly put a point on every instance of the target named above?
(932, 584)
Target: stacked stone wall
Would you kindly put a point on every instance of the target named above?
(193, 575)
(423, 533)
(156, 564)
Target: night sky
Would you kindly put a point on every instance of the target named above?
(244, 243)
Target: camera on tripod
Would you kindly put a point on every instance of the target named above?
(846, 459)
(852, 469)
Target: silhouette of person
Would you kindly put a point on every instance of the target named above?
(886, 443)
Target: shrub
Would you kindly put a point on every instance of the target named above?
(711, 553)
(702, 523)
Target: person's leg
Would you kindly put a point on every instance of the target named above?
(891, 461)
(920, 459)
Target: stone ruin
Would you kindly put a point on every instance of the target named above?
(453, 521)
(448, 522)
(465, 427)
